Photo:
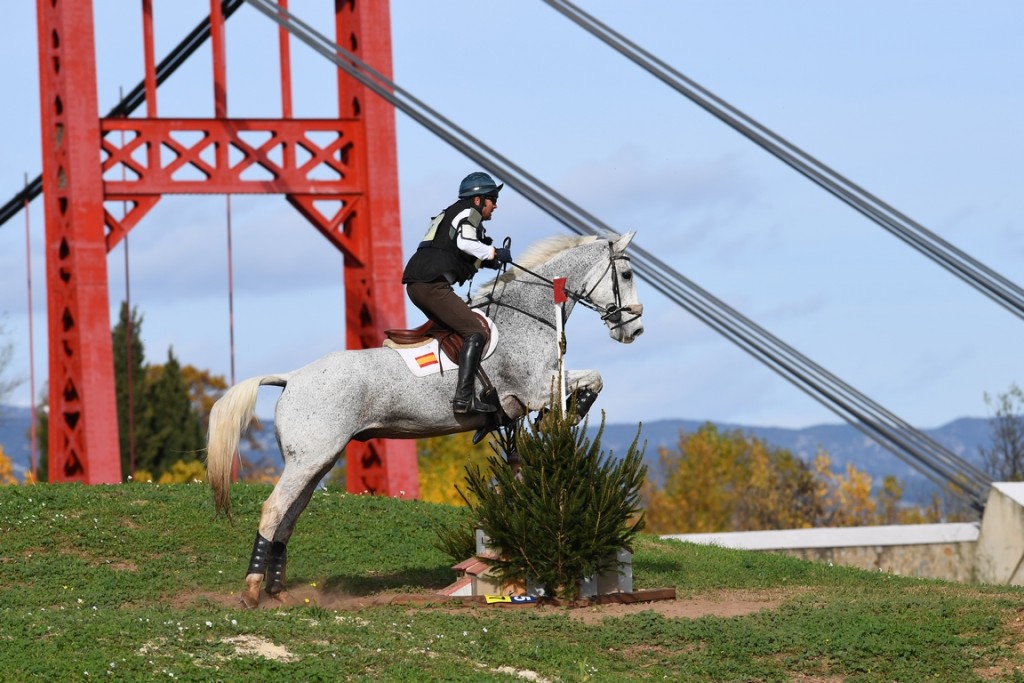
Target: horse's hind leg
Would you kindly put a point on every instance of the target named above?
(269, 556)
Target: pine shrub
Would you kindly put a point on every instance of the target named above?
(566, 513)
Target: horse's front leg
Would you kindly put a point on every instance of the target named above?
(583, 386)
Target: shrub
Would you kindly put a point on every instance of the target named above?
(565, 514)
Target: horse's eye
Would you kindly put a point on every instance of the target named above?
(627, 275)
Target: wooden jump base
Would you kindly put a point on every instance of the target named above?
(650, 595)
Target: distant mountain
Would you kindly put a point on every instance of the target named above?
(842, 442)
(14, 436)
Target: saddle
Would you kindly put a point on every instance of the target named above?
(450, 343)
(448, 340)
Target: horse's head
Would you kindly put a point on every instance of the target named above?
(614, 294)
(599, 277)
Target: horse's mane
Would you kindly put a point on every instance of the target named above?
(536, 254)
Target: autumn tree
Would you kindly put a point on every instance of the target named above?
(727, 481)
(442, 462)
(720, 481)
(204, 388)
(1004, 460)
(7, 477)
(844, 499)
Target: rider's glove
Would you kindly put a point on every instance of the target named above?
(490, 263)
(503, 255)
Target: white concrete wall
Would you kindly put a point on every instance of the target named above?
(990, 553)
(1000, 549)
(933, 551)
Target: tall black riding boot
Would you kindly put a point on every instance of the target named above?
(465, 400)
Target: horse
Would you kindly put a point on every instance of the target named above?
(371, 393)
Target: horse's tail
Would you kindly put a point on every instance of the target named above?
(229, 417)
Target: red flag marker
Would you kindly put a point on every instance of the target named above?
(559, 283)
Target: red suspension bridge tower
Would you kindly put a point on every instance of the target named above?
(92, 162)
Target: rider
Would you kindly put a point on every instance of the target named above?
(455, 247)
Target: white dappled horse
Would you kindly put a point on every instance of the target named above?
(371, 393)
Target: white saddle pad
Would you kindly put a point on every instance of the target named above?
(427, 358)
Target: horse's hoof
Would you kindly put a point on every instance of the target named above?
(249, 600)
(251, 595)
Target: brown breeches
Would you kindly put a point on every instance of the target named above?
(441, 304)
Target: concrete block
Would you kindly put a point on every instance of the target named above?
(620, 580)
(1000, 551)
(481, 542)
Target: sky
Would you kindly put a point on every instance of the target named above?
(920, 103)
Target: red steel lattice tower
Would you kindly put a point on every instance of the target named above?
(90, 161)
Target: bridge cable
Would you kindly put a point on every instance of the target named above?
(975, 273)
(916, 449)
(133, 100)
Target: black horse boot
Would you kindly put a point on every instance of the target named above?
(465, 400)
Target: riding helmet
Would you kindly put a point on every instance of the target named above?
(479, 184)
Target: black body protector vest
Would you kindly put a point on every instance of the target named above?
(438, 256)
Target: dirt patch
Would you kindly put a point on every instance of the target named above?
(712, 604)
(715, 603)
(250, 646)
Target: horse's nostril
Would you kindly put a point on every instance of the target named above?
(637, 333)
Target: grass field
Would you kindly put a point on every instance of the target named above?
(137, 583)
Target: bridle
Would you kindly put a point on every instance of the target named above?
(612, 313)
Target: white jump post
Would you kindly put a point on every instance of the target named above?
(559, 296)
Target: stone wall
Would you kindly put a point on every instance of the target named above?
(933, 551)
(950, 561)
(990, 553)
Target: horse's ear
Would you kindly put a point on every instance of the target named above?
(620, 244)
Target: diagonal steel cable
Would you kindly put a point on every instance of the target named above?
(918, 450)
(975, 273)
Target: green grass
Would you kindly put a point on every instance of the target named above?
(132, 583)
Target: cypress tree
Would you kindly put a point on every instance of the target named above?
(129, 355)
(172, 423)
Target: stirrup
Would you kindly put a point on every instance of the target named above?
(473, 405)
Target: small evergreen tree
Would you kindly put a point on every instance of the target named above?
(566, 513)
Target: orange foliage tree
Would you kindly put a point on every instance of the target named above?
(7, 477)
(721, 481)
(728, 481)
(442, 462)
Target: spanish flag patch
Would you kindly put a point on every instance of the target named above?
(426, 359)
